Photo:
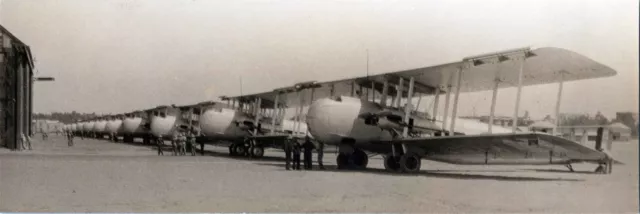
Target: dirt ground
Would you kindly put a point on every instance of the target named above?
(101, 176)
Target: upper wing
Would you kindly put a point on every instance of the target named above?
(542, 66)
(525, 148)
(545, 65)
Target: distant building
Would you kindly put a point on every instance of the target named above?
(502, 120)
(16, 74)
(617, 131)
(46, 126)
(620, 131)
(629, 119)
(542, 126)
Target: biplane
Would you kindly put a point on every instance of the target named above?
(379, 114)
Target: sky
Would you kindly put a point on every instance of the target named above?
(116, 56)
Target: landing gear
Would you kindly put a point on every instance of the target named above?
(360, 159)
(237, 149)
(257, 151)
(240, 149)
(232, 150)
(146, 140)
(570, 167)
(356, 160)
(127, 139)
(343, 161)
(246, 149)
(605, 167)
(391, 163)
(409, 163)
(600, 169)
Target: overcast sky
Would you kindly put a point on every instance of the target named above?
(122, 55)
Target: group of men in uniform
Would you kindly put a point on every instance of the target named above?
(293, 148)
(181, 142)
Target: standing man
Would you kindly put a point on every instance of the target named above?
(70, 139)
(182, 143)
(308, 156)
(174, 142)
(320, 154)
(202, 148)
(296, 155)
(160, 144)
(192, 142)
(288, 150)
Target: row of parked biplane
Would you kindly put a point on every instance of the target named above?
(380, 114)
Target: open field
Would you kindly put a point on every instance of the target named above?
(101, 176)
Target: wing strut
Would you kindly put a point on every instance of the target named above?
(306, 133)
(407, 113)
(518, 95)
(455, 100)
(273, 113)
(436, 103)
(446, 105)
(258, 110)
(383, 99)
(558, 99)
(493, 101)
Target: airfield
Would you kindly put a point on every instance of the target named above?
(102, 176)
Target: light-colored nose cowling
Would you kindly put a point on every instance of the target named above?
(218, 121)
(161, 126)
(131, 125)
(114, 125)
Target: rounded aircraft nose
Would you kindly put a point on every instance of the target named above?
(131, 125)
(100, 126)
(161, 126)
(216, 121)
(87, 127)
(317, 119)
(113, 126)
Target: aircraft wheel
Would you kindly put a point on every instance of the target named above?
(410, 163)
(232, 150)
(240, 149)
(343, 161)
(257, 152)
(391, 163)
(360, 159)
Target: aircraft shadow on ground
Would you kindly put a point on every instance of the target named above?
(138, 144)
(453, 174)
(226, 155)
(168, 150)
(563, 171)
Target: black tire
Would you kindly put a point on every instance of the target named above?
(240, 149)
(391, 163)
(232, 150)
(257, 152)
(360, 159)
(410, 163)
(343, 161)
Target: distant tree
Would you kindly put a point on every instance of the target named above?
(64, 117)
(600, 119)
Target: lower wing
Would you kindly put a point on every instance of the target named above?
(521, 148)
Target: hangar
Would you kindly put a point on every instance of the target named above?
(16, 72)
